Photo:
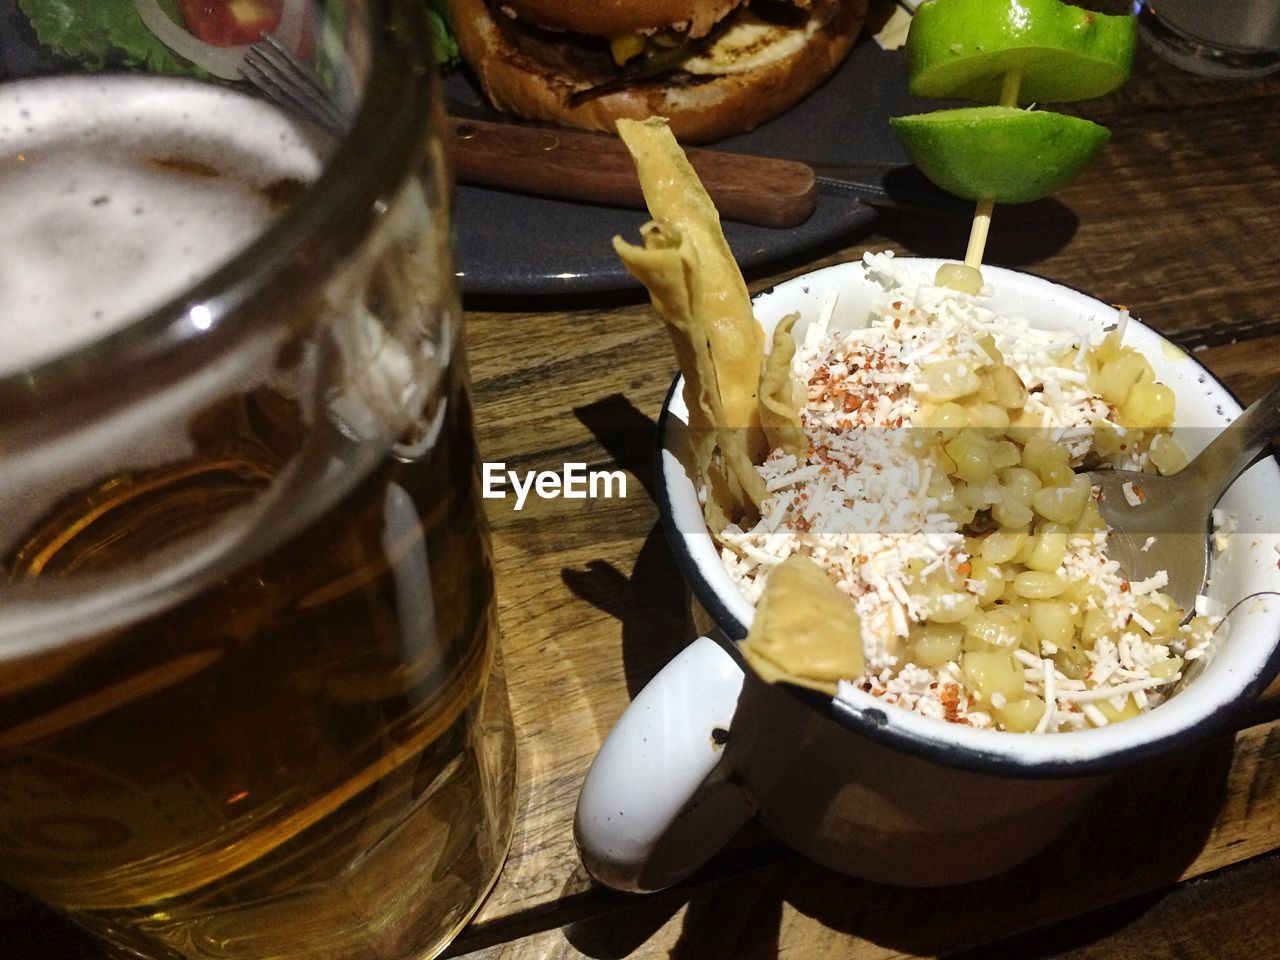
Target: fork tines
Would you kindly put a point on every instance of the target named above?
(278, 73)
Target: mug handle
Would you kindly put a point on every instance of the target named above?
(658, 802)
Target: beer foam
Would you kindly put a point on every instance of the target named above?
(119, 192)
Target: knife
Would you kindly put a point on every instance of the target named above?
(597, 168)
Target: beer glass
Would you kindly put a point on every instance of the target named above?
(250, 698)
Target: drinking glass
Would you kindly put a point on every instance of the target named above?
(251, 703)
(1235, 39)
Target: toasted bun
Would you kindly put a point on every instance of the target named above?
(606, 17)
(721, 106)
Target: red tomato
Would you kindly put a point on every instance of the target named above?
(229, 23)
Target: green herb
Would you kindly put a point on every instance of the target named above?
(446, 46)
(101, 34)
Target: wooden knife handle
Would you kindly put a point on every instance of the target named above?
(596, 167)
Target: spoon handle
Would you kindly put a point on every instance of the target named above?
(1240, 445)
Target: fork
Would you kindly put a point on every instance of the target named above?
(1163, 523)
(277, 72)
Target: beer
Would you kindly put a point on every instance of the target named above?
(308, 753)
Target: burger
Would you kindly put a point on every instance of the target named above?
(711, 67)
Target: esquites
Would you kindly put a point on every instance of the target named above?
(939, 492)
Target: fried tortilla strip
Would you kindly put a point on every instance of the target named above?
(668, 266)
(780, 395)
(676, 198)
(806, 630)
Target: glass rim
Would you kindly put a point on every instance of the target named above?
(367, 165)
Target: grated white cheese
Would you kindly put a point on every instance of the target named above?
(1224, 525)
(1156, 581)
(1049, 676)
(1096, 716)
(860, 503)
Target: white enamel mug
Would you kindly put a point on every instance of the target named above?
(870, 789)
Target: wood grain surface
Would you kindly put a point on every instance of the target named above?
(1179, 220)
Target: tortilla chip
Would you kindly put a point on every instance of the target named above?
(676, 198)
(669, 267)
(806, 629)
(781, 397)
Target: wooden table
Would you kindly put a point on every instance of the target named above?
(1179, 219)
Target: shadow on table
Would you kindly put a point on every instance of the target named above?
(1021, 234)
(1136, 839)
(652, 601)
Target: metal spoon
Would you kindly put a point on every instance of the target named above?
(1170, 528)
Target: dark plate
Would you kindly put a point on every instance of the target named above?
(511, 244)
(507, 243)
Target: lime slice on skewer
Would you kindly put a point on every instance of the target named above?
(1003, 154)
(963, 48)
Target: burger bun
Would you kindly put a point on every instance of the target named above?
(708, 108)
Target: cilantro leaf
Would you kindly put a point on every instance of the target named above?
(102, 34)
(446, 46)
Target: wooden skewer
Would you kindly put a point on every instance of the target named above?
(978, 233)
(982, 212)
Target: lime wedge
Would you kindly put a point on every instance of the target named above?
(1003, 154)
(963, 49)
